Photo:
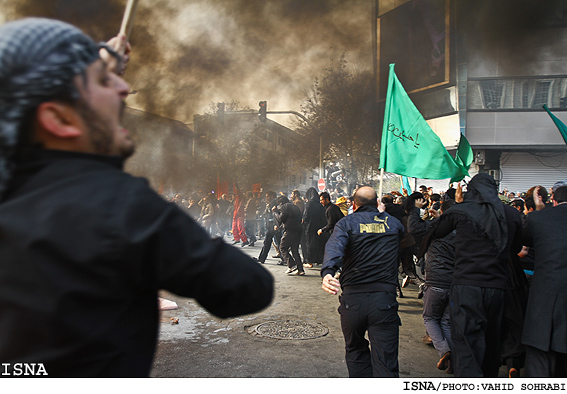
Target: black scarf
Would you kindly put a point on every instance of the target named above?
(482, 205)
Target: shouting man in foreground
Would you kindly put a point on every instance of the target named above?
(84, 246)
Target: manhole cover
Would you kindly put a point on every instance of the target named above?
(291, 329)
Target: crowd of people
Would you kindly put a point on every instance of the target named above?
(489, 267)
(471, 253)
(85, 247)
(288, 224)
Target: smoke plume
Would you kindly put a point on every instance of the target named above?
(189, 53)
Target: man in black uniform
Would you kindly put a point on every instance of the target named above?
(365, 245)
(84, 246)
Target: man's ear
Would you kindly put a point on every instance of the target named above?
(59, 120)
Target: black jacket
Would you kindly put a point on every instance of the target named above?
(476, 261)
(365, 244)
(289, 216)
(417, 227)
(333, 214)
(545, 326)
(440, 260)
(84, 249)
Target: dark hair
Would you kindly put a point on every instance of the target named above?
(447, 204)
(325, 195)
(530, 203)
(560, 194)
(542, 192)
(435, 197)
(518, 203)
(282, 200)
(409, 203)
(450, 193)
(388, 199)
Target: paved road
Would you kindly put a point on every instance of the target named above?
(201, 345)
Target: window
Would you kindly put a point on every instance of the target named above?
(526, 93)
(541, 95)
(492, 93)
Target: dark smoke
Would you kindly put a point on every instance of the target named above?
(187, 54)
(517, 33)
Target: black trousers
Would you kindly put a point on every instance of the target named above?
(250, 230)
(540, 364)
(271, 235)
(476, 318)
(376, 313)
(289, 249)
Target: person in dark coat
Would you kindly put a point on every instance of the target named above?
(313, 220)
(288, 215)
(84, 246)
(273, 233)
(545, 327)
(365, 245)
(332, 214)
(487, 232)
(439, 262)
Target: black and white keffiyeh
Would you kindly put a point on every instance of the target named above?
(38, 60)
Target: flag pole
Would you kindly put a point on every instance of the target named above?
(381, 182)
(128, 19)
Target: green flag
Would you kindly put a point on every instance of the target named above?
(560, 125)
(465, 155)
(409, 146)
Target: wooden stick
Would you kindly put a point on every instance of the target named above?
(128, 20)
(381, 183)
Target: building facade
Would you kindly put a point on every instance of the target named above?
(484, 69)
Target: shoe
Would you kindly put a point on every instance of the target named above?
(427, 339)
(513, 373)
(300, 273)
(244, 244)
(443, 363)
(276, 256)
(308, 265)
(449, 367)
(236, 242)
(257, 260)
(251, 243)
(281, 263)
(406, 281)
(420, 292)
(290, 270)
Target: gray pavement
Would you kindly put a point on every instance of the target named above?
(204, 346)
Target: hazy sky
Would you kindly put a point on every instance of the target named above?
(189, 53)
